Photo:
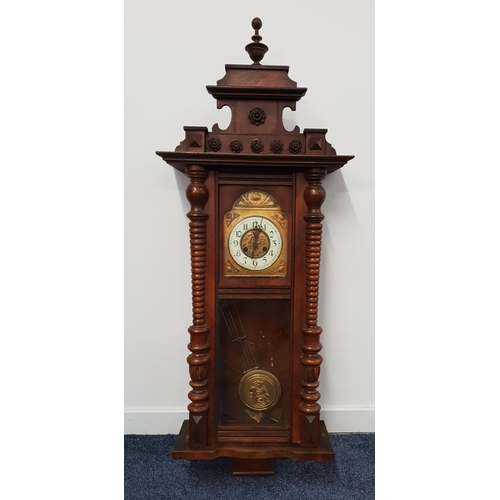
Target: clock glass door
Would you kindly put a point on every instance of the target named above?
(253, 368)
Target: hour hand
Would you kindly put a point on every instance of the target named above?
(255, 244)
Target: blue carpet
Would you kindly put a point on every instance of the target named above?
(150, 473)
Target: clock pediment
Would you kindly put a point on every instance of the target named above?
(257, 96)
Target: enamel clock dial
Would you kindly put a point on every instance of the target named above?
(255, 243)
(255, 234)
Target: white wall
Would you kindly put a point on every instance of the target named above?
(172, 51)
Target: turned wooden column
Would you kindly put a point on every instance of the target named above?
(314, 196)
(197, 195)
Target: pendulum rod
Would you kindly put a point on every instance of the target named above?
(252, 361)
(238, 336)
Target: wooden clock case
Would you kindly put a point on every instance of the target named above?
(244, 318)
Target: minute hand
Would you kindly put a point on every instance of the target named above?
(255, 240)
(254, 243)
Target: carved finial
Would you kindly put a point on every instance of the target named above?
(256, 25)
(256, 50)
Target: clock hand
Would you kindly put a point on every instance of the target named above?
(255, 240)
(255, 246)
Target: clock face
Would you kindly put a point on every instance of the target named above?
(255, 243)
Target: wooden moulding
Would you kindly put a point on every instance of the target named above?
(180, 160)
(322, 452)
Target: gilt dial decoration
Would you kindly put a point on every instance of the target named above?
(256, 199)
(255, 236)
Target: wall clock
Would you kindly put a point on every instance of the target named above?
(255, 231)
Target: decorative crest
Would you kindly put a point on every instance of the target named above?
(253, 199)
(257, 95)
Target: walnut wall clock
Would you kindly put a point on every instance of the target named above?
(255, 230)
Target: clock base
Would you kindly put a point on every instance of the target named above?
(253, 452)
(253, 467)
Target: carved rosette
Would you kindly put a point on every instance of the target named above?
(214, 144)
(295, 147)
(257, 116)
(276, 147)
(198, 360)
(310, 360)
(236, 146)
(257, 146)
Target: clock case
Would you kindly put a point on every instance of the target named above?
(240, 319)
